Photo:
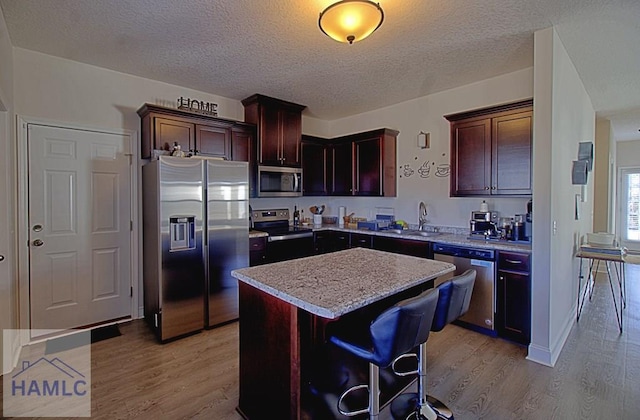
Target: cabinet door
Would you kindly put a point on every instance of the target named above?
(513, 311)
(342, 169)
(213, 141)
(361, 240)
(169, 132)
(243, 149)
(270, 137)
(314, 169)
(257, 253)
(471, 158)
(402, 246)
(511, 164)
(291, 131)
(368, 167)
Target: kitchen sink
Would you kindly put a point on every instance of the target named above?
(411, 232)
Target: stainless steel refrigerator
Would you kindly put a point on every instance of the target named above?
(195, 231)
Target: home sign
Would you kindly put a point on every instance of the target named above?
(201, 107)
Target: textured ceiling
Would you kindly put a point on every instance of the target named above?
(235, 48)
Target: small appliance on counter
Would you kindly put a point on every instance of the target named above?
(484, 224)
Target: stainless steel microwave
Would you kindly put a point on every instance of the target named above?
(275, 181)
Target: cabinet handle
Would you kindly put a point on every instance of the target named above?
(512, 261)
(486, 188)
(493, 188)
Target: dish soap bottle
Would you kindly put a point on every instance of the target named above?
(484, 206)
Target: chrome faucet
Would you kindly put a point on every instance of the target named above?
(422, 216)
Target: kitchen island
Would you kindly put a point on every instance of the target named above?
(284, 307)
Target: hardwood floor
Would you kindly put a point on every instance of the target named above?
(596, 377)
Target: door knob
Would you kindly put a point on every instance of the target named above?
(1, 258)
(38, 242)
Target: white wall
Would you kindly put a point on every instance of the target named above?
(409, 118)
(601, 193)
(564, 116)
(7, 196)
(628, 153)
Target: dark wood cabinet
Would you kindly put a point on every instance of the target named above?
(257, 251)
(341, 182)
(213, 141)
(243, 149)
(279, 129)
(513, 300)
(362, 164)
(491, 150)
(316, 166)
(361, 240)
(163, 127)
(403, 246)
(330, 241)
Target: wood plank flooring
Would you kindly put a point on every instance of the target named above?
(596, 377)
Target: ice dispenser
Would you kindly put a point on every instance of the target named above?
(183, 233)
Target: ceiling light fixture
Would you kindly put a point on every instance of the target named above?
(351, 20)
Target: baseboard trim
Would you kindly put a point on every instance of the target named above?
(10, 361)
(549, 356)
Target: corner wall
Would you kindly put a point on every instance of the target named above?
(8, 280)
(601, 194)
(564, 116)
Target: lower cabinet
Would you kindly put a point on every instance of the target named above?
(513, 303)
(361, 240)
(330, 241)
(403, 246)
(257, 251)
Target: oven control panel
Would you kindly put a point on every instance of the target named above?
(270, 215)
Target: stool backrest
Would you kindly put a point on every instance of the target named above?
(454, 299)
(402, 327)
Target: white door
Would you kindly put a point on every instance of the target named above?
(79, 227)
(629, 205)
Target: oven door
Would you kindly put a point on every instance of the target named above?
(289, 247)
(274, 181)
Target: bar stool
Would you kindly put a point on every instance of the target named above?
(453, 302)
(395, 331)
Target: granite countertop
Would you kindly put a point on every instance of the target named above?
(331, 285)
(445, 238)
(257, 234)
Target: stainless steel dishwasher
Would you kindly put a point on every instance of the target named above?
(483, 307)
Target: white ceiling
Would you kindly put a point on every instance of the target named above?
(235, 48)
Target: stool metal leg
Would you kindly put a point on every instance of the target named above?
(374, 392)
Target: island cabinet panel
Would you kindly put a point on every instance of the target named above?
(270, 385)
(279, 129)
(361, 240)
(163, 127)
(491, 150)
(257, 251)
(513, 309)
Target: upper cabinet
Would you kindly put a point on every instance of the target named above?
(279, 129)
(362, 164)
(162, 128)
(491, 150)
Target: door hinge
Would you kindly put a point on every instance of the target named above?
(131, 225)
(131, 292)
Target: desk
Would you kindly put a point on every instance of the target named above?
(617, 260)
(281, 303)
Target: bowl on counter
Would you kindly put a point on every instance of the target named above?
(329, 220)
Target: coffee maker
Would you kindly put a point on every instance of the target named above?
(483, 223)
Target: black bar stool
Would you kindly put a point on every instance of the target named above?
(453, 302)
(394, 332)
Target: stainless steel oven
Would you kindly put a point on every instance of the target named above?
(275, 181)
(284, 242)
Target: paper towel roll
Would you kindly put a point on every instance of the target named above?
(342, 211)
